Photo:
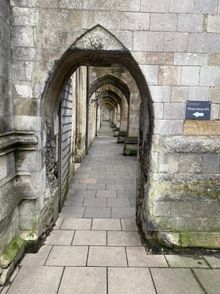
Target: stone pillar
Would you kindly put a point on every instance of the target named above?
(130, 146)
(123, 120)
(80, 112)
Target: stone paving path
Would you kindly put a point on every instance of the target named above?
(95, 246)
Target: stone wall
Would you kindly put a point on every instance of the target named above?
(5, 63)
(177, 46)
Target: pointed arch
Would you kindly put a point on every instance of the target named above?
(110, 80)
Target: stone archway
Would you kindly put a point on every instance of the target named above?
(98, 47)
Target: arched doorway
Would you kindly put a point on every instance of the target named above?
(98, 47)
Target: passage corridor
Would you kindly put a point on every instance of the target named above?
(95, 247)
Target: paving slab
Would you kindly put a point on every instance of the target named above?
(68, 256)
(130, 281)
(123, 238)
(97, 212)
(96, 187)
(175, 281)
(185, 261)
(85, 193)
(213, 261)
(107, 256)
(76, 224)
(123, 212)
(210, 279)
(38, 258)
(88, 181)
(106, 194)
(119, 187)
(78, 186)
(137, 257)
(71, 211)
(106, 224)
(129, 225)
(123, 202)
(58, 223)
(95, 202)
(74, 202)
(126, 194)
(60, 237)
(83, 280)
(37, 280)
(89, 238)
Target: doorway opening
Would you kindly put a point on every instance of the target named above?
(95, 83)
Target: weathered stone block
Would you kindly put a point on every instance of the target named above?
(151, 73)
(174, 110)
(158, 110)
(207, 42)
(169, 75)
(29, 161)
(155, 6)
(22, 90)
(25, 53)
(210, 76)
(190, 23)
(26, 107)
(206, 6)
(214, 59)
(3, 167)
(169, 163)
(175, 42)
(69, 4)
(179, 94)
(148, 41)
(198, 93)
(179, 6)
(190, 75)
(25, 16)
(214, 93)
(198, 239)
(163, 22)
(160, 93)
(215, 114)
(154, 58)
(125, 37)
(27, 123)
(162, 208)
(190, 59)
(190, 163)
(119, 5)
(213, 24)
(23, 37)
(168, 127)
(211, 164)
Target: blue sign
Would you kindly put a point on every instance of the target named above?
(199, 110)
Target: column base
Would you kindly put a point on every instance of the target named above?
(121, 137)
(130, 146)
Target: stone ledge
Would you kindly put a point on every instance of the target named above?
(202, 128)
(13, 254)
(209, 240)
(187, 144)
(17, 139)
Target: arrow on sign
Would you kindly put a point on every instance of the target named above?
(198, 114)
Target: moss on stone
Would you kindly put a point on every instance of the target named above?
(130, 151)
(200, 239)
(11, 251)
(207, 188)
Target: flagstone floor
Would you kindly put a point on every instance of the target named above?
(95, 246)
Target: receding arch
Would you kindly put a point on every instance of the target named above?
(110, 94)
(110, 80)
